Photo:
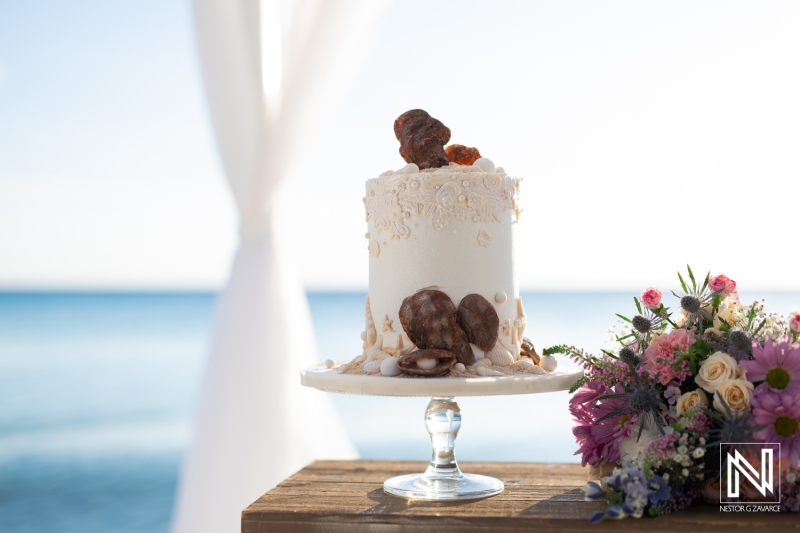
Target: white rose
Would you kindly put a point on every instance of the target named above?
(717, 369)
(691, 399)
(737, 393)
(729, 312)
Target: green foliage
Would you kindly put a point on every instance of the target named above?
(683, 283)
(691, 276)
(696, 354)
(570, 351)
(647, 468)
(609, 354)
(578, 384)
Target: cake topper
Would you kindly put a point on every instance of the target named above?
(422, 139)
(463, 155)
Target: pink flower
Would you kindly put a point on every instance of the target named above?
(777, 364)
(660, 359)
(662, 446)
(778, 415)
(722, 283)
(794, 322)
(651, 298)
(598, 441)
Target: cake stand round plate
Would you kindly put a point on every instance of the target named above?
(322, 378)
(443, 479)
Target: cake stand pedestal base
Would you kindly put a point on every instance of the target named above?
(443, 480)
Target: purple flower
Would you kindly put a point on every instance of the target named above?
(779, 414)
(593, 492)
(598, 441)
(597, 517)
(777, 364)
(616, 512)
(659, 490)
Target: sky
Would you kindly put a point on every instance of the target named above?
(648, 135)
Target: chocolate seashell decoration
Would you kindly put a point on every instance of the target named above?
(429, 319)
(527, 349)
(442, 361)
(462, 349)
(422, 139)
(479, 320)
(462, 155)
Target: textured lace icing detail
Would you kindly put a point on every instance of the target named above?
(477, 196)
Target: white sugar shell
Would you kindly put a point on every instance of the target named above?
(485, 371)
(374, 356)
(548, 363)
(389, 367)
(410, 168)
(479, 354)
(523, 363)
(459, 367)
(486, 164)
(482, 362)
(499, 356)
(330, 363)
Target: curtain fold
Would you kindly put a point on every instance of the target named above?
(255, 424)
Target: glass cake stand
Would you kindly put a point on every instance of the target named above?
(443, 479)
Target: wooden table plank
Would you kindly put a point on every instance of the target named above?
(347, 496)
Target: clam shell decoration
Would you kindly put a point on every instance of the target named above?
(499, 356)
(427, 362)
(529, 350)
(479, 320)
(430, 321)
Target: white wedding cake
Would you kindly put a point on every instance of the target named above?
(443, 294)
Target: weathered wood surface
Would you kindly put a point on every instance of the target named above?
(348, 497)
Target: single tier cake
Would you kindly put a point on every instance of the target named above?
(443, 294)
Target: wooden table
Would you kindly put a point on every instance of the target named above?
(348, 497)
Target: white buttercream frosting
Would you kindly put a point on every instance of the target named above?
(452, 229)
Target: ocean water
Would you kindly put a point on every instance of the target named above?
(97, 392)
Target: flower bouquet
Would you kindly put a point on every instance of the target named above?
(680, 391)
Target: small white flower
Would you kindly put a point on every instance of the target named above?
(682, 449)
(685, 472)
(791, 477)
(666, 477)
(698, 453)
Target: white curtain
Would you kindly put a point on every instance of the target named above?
(274, 72)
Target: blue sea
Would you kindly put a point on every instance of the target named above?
(97, 392)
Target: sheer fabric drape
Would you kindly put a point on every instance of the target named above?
(273, 72)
